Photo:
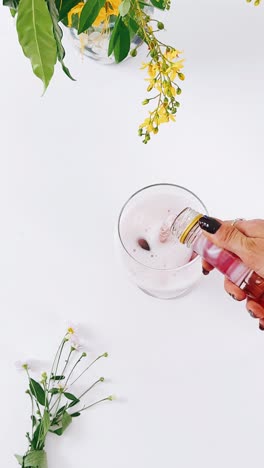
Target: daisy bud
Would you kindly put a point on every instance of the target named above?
(179, 91)
(160, 25)
(133, 53)
(101, 379)
(146, 101)
(105, 354)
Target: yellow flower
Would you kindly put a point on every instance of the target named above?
(147, 124)
(111, 8)
(76, 10)
(172, 54)
(177, 65)
(152, 70)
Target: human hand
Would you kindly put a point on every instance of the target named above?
(246, 240)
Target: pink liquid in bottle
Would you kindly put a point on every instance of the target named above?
(189, 232)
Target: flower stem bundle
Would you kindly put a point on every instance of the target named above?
(53, 403)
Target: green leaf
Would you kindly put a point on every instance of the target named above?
(37, 391)
(35, 34)
(11, 3)
(61, 410)
(33, 419)
(40, 433)
(122, 45)
(45, 425)
(114, 36)
(89, 14)
(124, 7)
(65, 7)
(19, 459)
(35, 438)
(65, 422)
(57, 377)
(159, 4)
(73, 403)
(58, 34)
(54, 391)
(133, 26)
(71, 397)
(36, 459)
(75, 415)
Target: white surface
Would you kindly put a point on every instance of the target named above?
(189, 373)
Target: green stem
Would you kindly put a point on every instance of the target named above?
(74, 367)
(64, 369)
(93, 404)
(57, 357)
(85, 370)
(90, 388)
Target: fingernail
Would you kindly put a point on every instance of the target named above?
(252, 314)
(205, 272)
(208, 224)
(261, 327)
(233, 296)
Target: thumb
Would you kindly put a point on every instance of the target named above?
(228, 237)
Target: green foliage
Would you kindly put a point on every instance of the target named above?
(119, 41)
(36, 459)
(11, 3)
(65, 7)
(35, 34)
(89, 14)
(122, 43)
(57, 31)
(37, 391)
(51, 402)
(161, 4)
(124, 7)
(57, 377)
(19, 459)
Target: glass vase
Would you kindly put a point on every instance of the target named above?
(95, 41)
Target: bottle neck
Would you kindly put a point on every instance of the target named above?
(185, 227)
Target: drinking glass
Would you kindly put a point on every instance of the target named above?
(146, 210)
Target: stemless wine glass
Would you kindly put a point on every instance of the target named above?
(162, 281)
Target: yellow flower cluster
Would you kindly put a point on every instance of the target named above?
(163, 69)
(76, 10)
(110, 8)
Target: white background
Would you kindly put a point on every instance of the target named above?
(189, 373)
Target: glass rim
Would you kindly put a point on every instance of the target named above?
(161, 184)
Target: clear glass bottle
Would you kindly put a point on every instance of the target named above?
(187, 230)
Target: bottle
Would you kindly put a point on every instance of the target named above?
(186, 229)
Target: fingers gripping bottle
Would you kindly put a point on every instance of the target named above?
(186, 228)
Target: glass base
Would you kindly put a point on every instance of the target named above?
(167, 296)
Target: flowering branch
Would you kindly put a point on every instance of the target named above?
(51, 402)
